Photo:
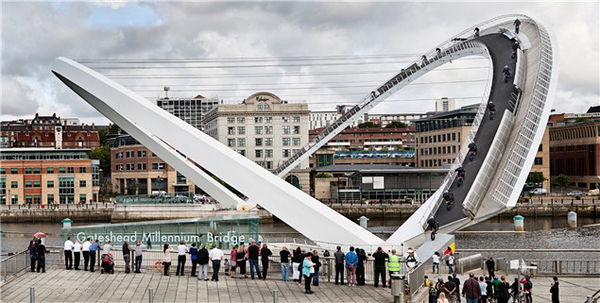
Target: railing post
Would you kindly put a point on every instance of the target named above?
(31, 295)
(274, 291)
(150, 295)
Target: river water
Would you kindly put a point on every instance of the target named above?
(494, 233)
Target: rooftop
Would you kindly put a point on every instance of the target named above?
(378, 168)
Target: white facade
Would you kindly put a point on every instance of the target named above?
(263, 128)
(319, 119)
(190, 110)
(445, 105)
(385, 119)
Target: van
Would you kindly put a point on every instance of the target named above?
(538, 191)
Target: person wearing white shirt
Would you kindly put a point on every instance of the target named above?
(68, 253)
(436, 262)
(166, 258)
(216, 256)
(182, 249)
(77, 253)
(85, 249)
(107, 248)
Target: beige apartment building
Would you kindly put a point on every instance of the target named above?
(541, 162)
(440, 137)
(265, 129)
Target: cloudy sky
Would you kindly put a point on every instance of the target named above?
(320, 53)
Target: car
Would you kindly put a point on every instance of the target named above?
(593, 192)
(538, 191)
(576, 193)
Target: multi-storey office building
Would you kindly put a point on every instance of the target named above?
(190, 110)
(324, 118)
(48, 176)
(265, 129)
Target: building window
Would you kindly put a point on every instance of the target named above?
(258, 130)
(258, 153)
(285, 119)
(242, 152)
(82, 198)
(28, 171)
(36, 199)
(28, 184)
(241, 120)
(50, 170)
(241, 130)
(268, 141)
(70, 170)
(82, 169)
(286, 130)
(141, 153)
(296, 130)
(50, 198)
(263, 106)
(258, 119)
(296, 141)
(286, 153)
(82, 183)
(141, 166)
(269, 130)
(159, 165)
(286, 141)
(258, 142)
(231, 130)
(241, 142)
(540, 148)
(296, 119)
(268, 120)
(28, 199)
(50, 184)
(2, 171)
(36, 184)
(14, 184)
(538, 161)
(230, 120)
(269, 153)
(14, 171)
(231, 142)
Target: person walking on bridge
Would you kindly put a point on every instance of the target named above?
(93, 251)
(126, 256)
(339, 265)
(182, 251)
(456, 281)
(490, 264)
(471, 290)
(31, 249)
(554, 290)
(68, 250)
(517, 24)
(203, 263)
(216, 256)
(265, 253)
(393, 265)
(379, 266)
(436, 262)
(253, 253)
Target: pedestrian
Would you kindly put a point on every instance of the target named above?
(351, 264)
(411, 260)
(393, 265)
(77, 254)
(242, 255)
(503, 295)
(317, 266)
(265, 253)
(379, 257)
(94, 248)
(442, 298)
(515, 49)
(166, 259)
(253, 253)
(139, 249)
(471, 289)
(456, 281)
(451, 288)
(203, 258)
(483, 290)
(41, 256)
(193, 251)
(427, 283)
(450, 263)
(126, 256)
(339, 265)
(182, 251)
(527, 288)
(308, 270)
(107, 248)
(233, 260)
(85, 249)
(490, 264)
(360, 267)
(440, 287)
(32, 251)
(476, 32)
(490, 289)
(296, 262)
(68, 250)
(554, 290)
(302, 256)
(284, 259)
(514, 289)
(517, 24)
(216, 256)
(436, 263)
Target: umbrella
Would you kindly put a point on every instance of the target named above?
(40, 235)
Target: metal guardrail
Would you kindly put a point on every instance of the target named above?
(14, 264)
(93, 205)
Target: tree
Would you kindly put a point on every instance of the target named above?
(396, 124)
(562, 181)
(369, 124)
(102, 153)
(536, 177)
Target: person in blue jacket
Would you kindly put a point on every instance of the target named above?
(351, 264)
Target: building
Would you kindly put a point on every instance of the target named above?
(376, 182)
(367, 146)
(541, 163)
(190, 110)
(384, 119)
(135, 170)
(575, 149)
(445, 105)
(48, 176)
(265, 129)
(440, 137)
(48, 132)
(320, 119)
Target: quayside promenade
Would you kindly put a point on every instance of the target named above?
(60, 285)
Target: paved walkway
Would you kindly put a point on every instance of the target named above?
(59, 285)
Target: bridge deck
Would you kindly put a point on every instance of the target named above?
(60, 285)
(500, 49)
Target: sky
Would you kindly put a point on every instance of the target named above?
(35, 33)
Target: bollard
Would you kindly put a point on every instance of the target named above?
(397, 288)
(274, 295)
(572, 219)
(519, 222)
(31, 295)
(150, 295)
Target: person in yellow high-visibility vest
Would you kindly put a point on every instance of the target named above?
(393, 265)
